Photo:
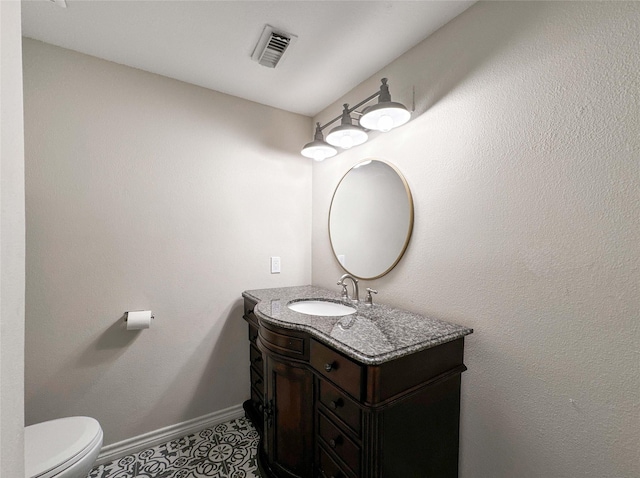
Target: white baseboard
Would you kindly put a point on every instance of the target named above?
(126, 447)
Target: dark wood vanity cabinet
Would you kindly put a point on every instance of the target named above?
(323, 414)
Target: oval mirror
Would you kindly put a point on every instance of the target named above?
(370, 219)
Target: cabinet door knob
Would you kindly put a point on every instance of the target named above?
(330, 366)
(336, 441)
(334, 404)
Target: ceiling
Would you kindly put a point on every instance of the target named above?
(209, 43)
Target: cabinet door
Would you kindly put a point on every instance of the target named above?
(288, 440)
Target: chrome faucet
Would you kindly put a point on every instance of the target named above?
(345, 292)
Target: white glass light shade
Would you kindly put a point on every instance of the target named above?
(346, 135)
(384, 116)
(318, 150)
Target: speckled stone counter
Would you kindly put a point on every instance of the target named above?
(373, 335)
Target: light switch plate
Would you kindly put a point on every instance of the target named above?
(275, 265)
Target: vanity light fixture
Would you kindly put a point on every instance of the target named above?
(387, 114)
(347, 134)
(383, 116)
(318, 149)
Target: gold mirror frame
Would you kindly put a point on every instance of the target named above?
(362, 241)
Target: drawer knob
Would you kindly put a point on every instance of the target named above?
(335, 404)
(330, 366)
(336, 441)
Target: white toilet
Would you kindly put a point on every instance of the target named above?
(62, 448)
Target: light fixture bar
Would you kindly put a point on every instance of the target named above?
(383, 116)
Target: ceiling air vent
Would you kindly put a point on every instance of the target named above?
(272, 46)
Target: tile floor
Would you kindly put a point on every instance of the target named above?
(228, 450)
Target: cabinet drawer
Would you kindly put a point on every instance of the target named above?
(283, 343)
(327, 468)
(337, 368)
(256, 357)
(256, 381)
(339, 443)
(340, 405)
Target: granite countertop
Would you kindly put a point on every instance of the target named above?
(373, 335)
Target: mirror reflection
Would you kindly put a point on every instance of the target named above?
(370, 219)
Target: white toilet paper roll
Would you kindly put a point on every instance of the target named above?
(138, 319)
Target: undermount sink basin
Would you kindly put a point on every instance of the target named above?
(321, 307)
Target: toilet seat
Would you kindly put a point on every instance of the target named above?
(56, 445)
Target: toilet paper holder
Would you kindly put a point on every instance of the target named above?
(126, 314)
(141, 319)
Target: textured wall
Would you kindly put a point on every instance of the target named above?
(523, 159)
(11, 245)
(148, 193)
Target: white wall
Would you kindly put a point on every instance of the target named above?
(147, 193)
(12, 238)
(524, 168)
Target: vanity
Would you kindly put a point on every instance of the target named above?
(344, 389)
(374, 393)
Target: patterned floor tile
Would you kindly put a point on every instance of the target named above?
(228, 450)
